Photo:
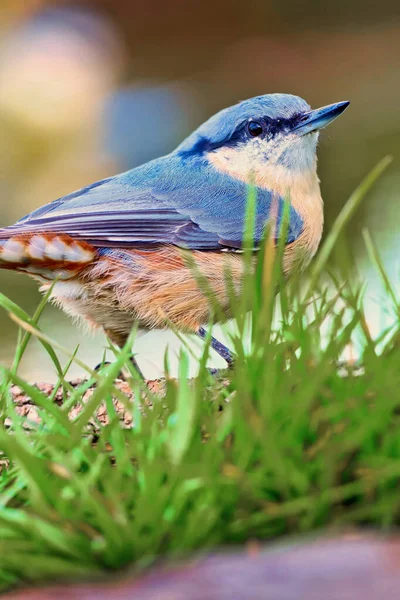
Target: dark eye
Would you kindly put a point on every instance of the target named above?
(254, 128)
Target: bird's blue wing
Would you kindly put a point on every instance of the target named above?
(185, 202)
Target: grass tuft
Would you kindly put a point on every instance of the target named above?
(285, 443)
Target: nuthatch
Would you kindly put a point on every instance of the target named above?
(118, 249)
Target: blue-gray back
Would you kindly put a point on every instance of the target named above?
(173, 199)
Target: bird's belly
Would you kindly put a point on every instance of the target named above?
(154, 289)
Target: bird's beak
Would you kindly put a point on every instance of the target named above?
(318, 118)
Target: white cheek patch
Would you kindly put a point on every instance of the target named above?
(296, 154)
(284, 165)
(244, 161)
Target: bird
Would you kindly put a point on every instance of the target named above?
(120, 252)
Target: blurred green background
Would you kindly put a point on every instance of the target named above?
(90, 89)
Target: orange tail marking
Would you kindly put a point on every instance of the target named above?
(47, 250)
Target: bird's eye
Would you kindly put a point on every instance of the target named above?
(255, 128)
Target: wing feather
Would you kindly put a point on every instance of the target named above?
(171, 200)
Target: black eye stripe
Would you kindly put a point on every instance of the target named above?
(271, 126)
(260, 125)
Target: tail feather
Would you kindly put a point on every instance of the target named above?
(48, 250)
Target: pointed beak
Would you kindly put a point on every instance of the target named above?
(318, 118)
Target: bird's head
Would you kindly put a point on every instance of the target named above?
(263, 139)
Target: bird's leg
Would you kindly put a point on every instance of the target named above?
(120, 339)
(136, 367)
(219, 348)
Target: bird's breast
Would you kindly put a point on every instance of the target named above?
(300, 187)
(303, 191)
